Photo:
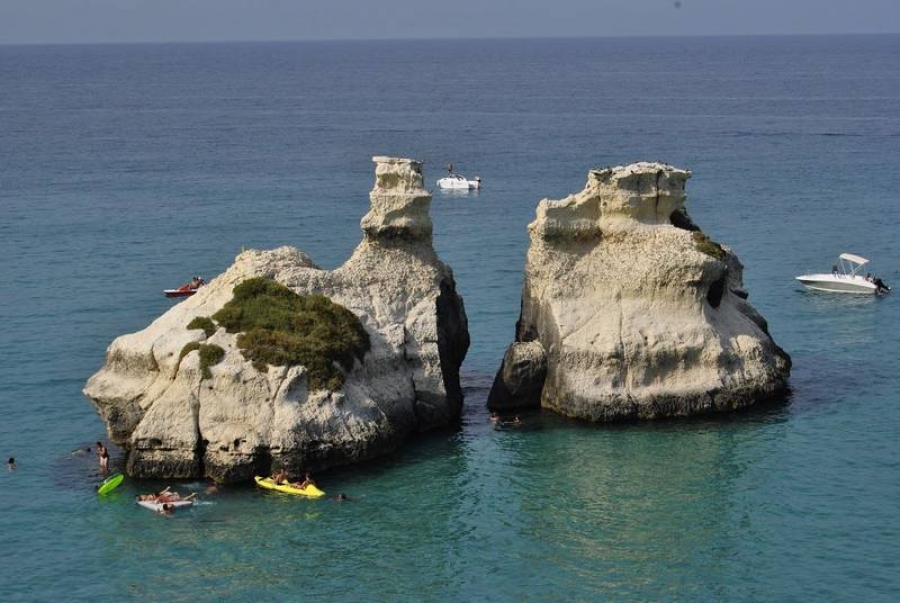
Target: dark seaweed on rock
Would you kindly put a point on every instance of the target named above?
(281, 328)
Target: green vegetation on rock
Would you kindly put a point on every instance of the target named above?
(210, 355)
(706, 245)
(203, 322)
(281, 328)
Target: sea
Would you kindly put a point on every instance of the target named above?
(128, 169)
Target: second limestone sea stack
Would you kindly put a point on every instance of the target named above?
(630, 311)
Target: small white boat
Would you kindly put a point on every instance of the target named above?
(845, 277)
(459, 182)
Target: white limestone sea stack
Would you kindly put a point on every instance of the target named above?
(630, 312)
(241, 420)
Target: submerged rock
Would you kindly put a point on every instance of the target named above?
(630, 311)
(244, 420)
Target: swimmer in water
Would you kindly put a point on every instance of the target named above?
(103, 454)
(11, 463)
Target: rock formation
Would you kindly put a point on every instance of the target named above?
(241, 420)
(630, 311)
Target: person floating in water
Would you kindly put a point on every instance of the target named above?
(495, 417)
(11, 464)
(103, 455)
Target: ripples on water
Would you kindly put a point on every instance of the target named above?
(125, 170)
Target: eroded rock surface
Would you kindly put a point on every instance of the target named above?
(243, 421)
(631, 312)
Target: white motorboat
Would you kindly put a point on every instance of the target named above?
(845, 277)
(459, 182)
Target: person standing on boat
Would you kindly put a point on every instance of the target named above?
(450, 168)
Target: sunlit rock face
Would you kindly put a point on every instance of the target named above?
(243, 421)
(629, 311)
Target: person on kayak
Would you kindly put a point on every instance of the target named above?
(280, 477)
(307, 481)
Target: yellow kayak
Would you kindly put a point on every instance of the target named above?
(269, 484)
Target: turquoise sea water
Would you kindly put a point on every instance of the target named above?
(127, 169)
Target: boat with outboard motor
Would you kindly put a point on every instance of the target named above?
(459, 182)
(845, 277)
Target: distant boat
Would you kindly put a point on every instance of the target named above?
(187, 289)
(459, 182)
(845, 277)
(183, 291)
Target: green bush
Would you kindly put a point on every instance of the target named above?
(210, 355)
(706, 245)
(187, 349)
(281, 328)
(203, 322)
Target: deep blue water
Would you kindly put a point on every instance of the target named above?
(127, 169)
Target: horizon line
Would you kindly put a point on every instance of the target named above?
(450, 39)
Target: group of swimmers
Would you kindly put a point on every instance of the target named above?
(880, 287)
(498, 420)
(164, 497)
